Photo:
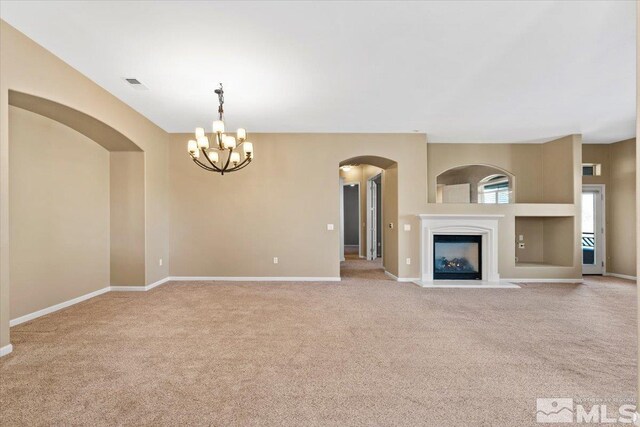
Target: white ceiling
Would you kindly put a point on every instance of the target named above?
(460, 71)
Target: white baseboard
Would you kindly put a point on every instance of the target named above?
(466, 284)
(140, 288)
(128, 288)
(6, 350)
(57, 307)
(401, 279)
(621, 276)
(574, 281)
(253, 279)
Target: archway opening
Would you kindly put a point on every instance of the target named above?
(483, 184)
(368, 215)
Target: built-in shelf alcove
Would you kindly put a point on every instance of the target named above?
(544, 241)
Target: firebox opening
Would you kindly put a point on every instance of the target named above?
(457, 257)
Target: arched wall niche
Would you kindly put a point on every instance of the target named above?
(475, 176)
(108, 205)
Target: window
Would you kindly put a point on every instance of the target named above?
(591, 169)
(494, 190)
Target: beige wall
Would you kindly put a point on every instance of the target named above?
(622, 201)
(280, 206)
(559, 160)
(637, 228)
(59, 207)
(28, 68)
(127, 218)
(618, 174)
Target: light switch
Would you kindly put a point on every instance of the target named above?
(407, 227)
(521, 237)
(275, 259)
(330, 227)
(160, 262)
(408, 261)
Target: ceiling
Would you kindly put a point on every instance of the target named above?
(459, 71)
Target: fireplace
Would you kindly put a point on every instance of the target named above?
(457, 257)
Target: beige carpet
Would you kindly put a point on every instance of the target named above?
(365, 351)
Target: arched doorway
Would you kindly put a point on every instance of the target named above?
(368, 213)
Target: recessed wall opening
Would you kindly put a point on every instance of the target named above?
(368, 211)
(483, 184)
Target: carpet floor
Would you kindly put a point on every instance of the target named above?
(361, 352)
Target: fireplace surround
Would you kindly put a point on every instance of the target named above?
(481, 230)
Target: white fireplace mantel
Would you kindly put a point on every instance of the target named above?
(456, 224)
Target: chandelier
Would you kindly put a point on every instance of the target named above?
(222, 156)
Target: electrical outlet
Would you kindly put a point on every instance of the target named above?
(330, 227)
(407, 227)
(390, 226)
(408, 261)
(160, 262)
(275, 259)
(521, 245)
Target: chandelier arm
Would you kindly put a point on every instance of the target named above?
(243, 163)
(241, 166)
(202, 165)
(206, 156)
(219, 140)
(226, 165)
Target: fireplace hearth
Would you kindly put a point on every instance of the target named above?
(457, 257)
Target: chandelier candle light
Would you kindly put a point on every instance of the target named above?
(215, 156)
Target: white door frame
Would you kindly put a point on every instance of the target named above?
(600, 232)
(342, 185)
(371, 225)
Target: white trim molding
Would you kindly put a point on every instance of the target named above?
(621, 276)
(401, 279)
(140, 288)
(6, 350)
(57, 307)
(571, 281)
(466, 284)
(253, 279)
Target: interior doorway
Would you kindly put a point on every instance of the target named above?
(593, 229)
(350, 219)
(374, 218)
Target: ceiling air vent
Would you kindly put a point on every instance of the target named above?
(135, 83)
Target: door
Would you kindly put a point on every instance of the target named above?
(593, 236)
(372, 220)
